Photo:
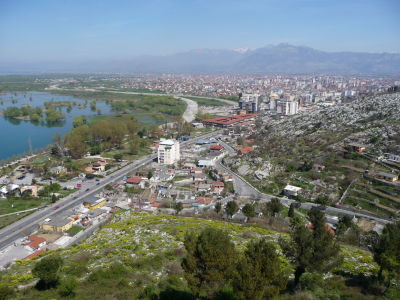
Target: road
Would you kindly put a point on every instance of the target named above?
(29, 224)
(245, 189)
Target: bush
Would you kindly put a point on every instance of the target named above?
(311, 281)
(6, 292)
(67, 287)
(47, 271)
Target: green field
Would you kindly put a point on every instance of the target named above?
(207, 101)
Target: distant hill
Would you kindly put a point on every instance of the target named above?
(282, 59)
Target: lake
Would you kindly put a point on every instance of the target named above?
(16, 134)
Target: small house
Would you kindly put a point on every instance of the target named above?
(318, 167)
(291, 190)
(356, 147)
(35, 242)
(217, 187)
(387, 176)
(135, 181)
(59, 170)
(94, 203)
(246, 150)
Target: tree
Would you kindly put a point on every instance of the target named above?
(323, 200)
(59, 144)
(231, 208)
(76, 145)
(312, 249)
(272, 208)
(249, 211)
(79, 121)
(344, 223)
(134, 146)
(178, 207)
(291, 211)
(149, 174)
(53, 198)
(386, 251)
(218, 207)
(67, 287)
(47, 271)
(210, 260)
(259, 272)
(118, 156)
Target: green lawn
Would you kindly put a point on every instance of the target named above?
(74, 230)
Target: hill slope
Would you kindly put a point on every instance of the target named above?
(138, 253)
(289, 147)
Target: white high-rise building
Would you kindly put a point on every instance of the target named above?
(287, 107)
(249, 102)
(168, 152)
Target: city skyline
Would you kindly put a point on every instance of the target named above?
(65, 31)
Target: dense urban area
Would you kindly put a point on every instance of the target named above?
(232, 187)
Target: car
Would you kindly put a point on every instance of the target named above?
(87, 189)
(98, 183)
(56, 207)
(97, 179)
(75, 197)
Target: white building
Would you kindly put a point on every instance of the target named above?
(249, 102)
(168, 152)
(291, 190)
(287, 107)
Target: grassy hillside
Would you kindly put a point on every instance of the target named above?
(139, 254)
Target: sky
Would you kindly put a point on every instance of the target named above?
(62, 30)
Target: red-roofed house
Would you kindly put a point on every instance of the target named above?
(217, 147)
(135, 181)
(35, 254)
(35, 243)
(246, 149)
(217, 187)
(327, 228)
(204, 200)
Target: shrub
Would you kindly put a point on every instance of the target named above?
(67, 287)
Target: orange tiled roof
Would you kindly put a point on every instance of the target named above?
(34, 254)
(244, 150)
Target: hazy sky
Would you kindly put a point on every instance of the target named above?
(54, 30)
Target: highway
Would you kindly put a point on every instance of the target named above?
(29, 224)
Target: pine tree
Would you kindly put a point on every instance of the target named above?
(218, 207)
(231, 208)
(259, 272)
(291, 211)
(249, 211)
(386, 251)
(312, 249)
(210, 260)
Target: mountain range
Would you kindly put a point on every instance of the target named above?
(279, 59)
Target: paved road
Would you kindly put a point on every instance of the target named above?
(29, 224)
(245, 189)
